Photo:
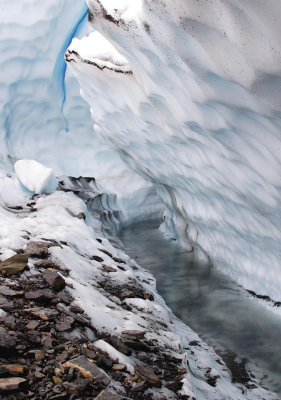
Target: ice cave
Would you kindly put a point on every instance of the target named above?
(140, 212)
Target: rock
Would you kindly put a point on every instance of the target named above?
(147, 374)
(81, 215)
(39, 249)
(14, 264)
(39, 355)
(45, 264)
(32, 325)
(39, 375)
(97, 258)
(40, 295)
(47, 343)
(107, 268)
(5, 304)
(11, 369)
(9, 292)
(120, 346)
(61, 307)
(6, 340)
(7, 384)
(89, 370)
(119, 367)
(133, 334)
(126, 294)
(138, 387)
(106, 252)
(65, 324)
(106, 395)
(43, 313)
(137, 345)
(119, 260)
(55, 280)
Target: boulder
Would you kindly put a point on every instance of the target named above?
(14, 264)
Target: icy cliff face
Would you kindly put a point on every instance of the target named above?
(188, 92)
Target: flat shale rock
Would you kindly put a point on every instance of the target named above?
(55, 280)
(14, 264)
(8, 384)
(41, 295)
(106, 395)
(147, 374)
(89, 370)
(43, 313)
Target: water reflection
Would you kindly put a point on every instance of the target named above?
(215, 307)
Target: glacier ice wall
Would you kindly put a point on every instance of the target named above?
(43, 116)
(189, 93)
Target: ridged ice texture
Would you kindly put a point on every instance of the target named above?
(199, 116)
(42, 115)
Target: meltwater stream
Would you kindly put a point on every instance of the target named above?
(215, 307)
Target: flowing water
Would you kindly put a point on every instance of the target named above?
(219, 310)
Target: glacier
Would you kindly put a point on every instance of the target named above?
(174, 108)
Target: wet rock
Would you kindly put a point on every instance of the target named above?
(147, 374)
(97, 258)
(55, 280)
(8, 384)
(39, 249)
(14, 264)
(40, 295)
(106, 395)
(6, 341)
(89, 370)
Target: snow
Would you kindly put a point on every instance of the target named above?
(35, 176)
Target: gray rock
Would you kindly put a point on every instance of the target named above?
(106, 395)
(65, 324)
(41, 295)
(55, 280)
(6, 341)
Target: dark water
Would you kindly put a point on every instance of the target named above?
(214, 306)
